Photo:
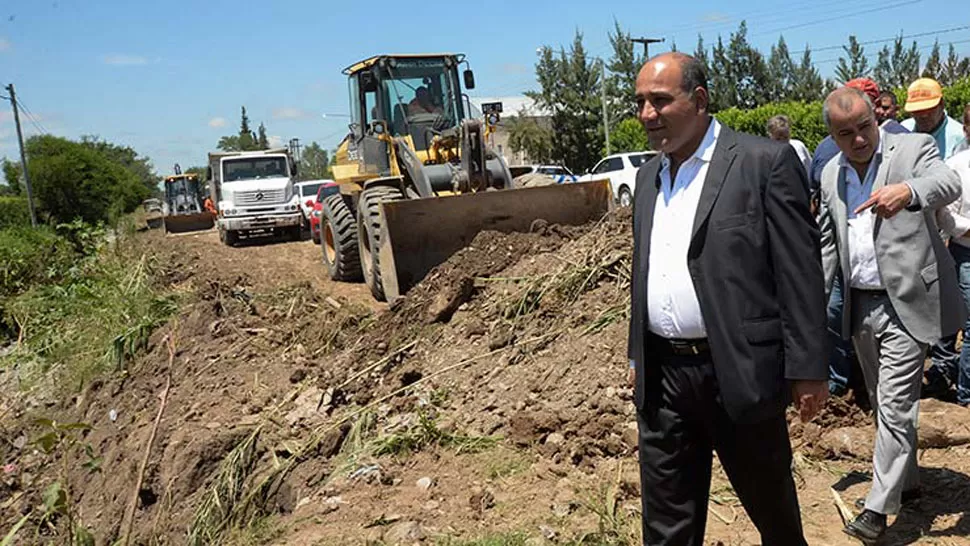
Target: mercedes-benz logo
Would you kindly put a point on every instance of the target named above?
(259, 196)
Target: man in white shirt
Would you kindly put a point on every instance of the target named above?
(879, 197)
(727, 322)
(779, 128)
(954, 220)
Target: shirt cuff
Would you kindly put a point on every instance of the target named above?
(632, 364)
(913, 199)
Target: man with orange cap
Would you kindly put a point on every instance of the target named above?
(924, 100)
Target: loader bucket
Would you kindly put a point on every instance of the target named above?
(418, 234)
(182, 223)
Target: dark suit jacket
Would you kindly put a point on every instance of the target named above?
(755, 264)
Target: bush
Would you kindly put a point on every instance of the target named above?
(14, 212)
(30, 257)
(806, 120)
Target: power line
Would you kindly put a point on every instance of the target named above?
(841, 16)
(884, 40)
(757, 16)
(32, 118)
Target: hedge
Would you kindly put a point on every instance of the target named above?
(29, 256)
(806, 118)
(14, 212)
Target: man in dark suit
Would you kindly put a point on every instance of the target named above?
(728, 312)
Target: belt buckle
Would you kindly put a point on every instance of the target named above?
(693, 349)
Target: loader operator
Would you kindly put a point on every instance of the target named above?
(422, 103)
(209, 206)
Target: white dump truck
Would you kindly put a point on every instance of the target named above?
(254, 194)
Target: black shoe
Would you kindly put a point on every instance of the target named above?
(936, 386)
(908, 497)
(868, 527)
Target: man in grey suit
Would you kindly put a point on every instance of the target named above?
(878, 226)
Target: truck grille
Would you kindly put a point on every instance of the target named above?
(260, 197)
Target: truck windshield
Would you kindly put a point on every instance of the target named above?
(254, 168)
(310, 190)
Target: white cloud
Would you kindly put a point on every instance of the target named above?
(124, 60)
(290, 113)
(5, 45)
(275, 141)
(217, 122)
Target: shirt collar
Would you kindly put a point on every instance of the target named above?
(876, 157)
(705, 150)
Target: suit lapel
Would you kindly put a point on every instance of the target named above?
(840, 216)
(646, 203)
(717, 172)
(882, 174)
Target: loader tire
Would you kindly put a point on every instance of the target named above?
(369, 234)
(338, 238)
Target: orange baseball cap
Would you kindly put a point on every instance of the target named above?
(865, 85)
(923, 94)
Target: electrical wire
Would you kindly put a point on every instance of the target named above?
(32, 118)
(840, 15)
(873, 57)
(884, 40)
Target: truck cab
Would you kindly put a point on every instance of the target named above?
(255, 194)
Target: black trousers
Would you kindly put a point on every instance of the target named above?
(679, 428)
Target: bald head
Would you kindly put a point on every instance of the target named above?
(691, 70)
(851, 120)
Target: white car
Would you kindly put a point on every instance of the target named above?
(307, 190)
(558, 173)
(621, 170)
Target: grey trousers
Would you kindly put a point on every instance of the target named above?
(892, 363)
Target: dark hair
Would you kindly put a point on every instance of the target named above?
(693, 73)
(889, 94)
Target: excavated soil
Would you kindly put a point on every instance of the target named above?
(491, 399)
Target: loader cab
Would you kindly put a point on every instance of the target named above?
(399, 96)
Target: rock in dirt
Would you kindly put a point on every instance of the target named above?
(448, 300)
(942, 424)
(297, 376)
(481, 500)
(305, 406)
(847, 442)
(424, 483)
(405, 533)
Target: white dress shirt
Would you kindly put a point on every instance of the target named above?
(803, 154)
(863, 268)
(954, 219)
(672, 307)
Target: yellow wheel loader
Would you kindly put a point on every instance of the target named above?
(183, 206)
(418, 181)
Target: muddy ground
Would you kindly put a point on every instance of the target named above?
(491, 401)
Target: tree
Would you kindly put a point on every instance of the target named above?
(199, 171)
(700, 53)
(628, 136)
(934, 66)
(883, 72)
(949, 72)
(782, 71)
(528, 135)
(229, 144)
(750, 70)
(262, 142)
(247, 140)
(624, 66)
(570, 85)
(73, 180)
(807, 83)
(904, 63)
(12, 172)
(855, 64)
(723, 81)
(315, 163)
(128, 158)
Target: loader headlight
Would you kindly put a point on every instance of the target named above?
(316, 214)
(492, 119)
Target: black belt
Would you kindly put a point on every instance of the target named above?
(685, 347)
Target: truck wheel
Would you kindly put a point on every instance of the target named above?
(369, 234)
(229, 237)
(625, 197)
(296, 233)
(338, 238)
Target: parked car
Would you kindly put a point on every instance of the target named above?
(307, 190)
(621, 170)
(326, 189)
(558, 173)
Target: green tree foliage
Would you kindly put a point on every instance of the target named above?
(808, 84)
(882, 73)
(529, 135)
(628, 136)
(73, 180)
(14, 211)
(570, 89)
(739, 73)
(854, 64)
(246, 139)
(128, 158)
(903, 65)
(13, 173)
(934, 64)
(315, 163)
(262, 141)
(624, 66)
(781, 69)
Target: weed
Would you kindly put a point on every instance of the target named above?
(503, 539)
(426, 434)
(258, 532)
(615, 525)
(506, 463)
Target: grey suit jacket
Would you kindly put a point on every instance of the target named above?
(917, 270)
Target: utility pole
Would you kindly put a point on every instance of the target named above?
(646, 44)
(606, 112)
(23, 155)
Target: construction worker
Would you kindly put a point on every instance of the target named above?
(209, 206)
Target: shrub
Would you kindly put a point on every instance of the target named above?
(806, 120)
(14, 212)
(29, 257)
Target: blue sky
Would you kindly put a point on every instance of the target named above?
(168, 78)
